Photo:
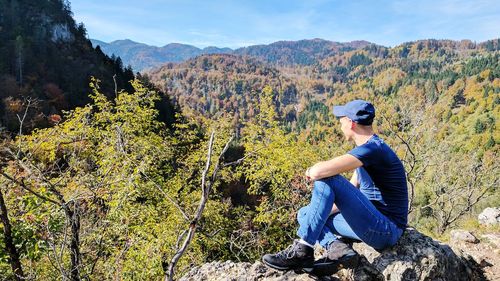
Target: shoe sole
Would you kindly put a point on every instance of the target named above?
(327, 269)
(297, 269)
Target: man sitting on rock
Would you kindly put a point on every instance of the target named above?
(376, 213)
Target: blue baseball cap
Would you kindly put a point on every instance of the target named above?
(359, 111)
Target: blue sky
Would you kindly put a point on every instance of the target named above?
(233, 24)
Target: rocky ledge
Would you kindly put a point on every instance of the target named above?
(414, 257)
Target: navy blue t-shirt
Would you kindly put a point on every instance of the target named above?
(382, 179)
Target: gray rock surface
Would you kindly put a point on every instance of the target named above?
(489, 216)
(414, 257)
(492, 238)
(61, 33)
(418, 257)
(244, 271)
(486, 254)
(460, 235)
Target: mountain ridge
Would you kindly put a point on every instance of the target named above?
(301, 52)
(142, 56)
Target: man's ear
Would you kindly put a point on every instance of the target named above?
(353, 125)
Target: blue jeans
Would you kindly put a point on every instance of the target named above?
(358, 217)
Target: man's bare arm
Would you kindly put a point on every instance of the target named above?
(333, 167)
(354, 179)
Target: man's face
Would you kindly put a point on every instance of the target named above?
(345, 126)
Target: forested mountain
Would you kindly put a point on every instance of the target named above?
(213, 83)
(303, 52)
(46, 60)
(141, 56)
(223, 83)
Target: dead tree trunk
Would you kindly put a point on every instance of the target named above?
(15, 262)
(73, 215)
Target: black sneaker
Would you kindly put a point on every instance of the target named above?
(339, 254)
(297, 256)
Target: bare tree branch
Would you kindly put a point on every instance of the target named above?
(21, 119)
(24, 186)
(206, 187)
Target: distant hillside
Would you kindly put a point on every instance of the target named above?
(46, 57)
(304, 52)
(141, 56)
(213, 83)
(440, 70)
